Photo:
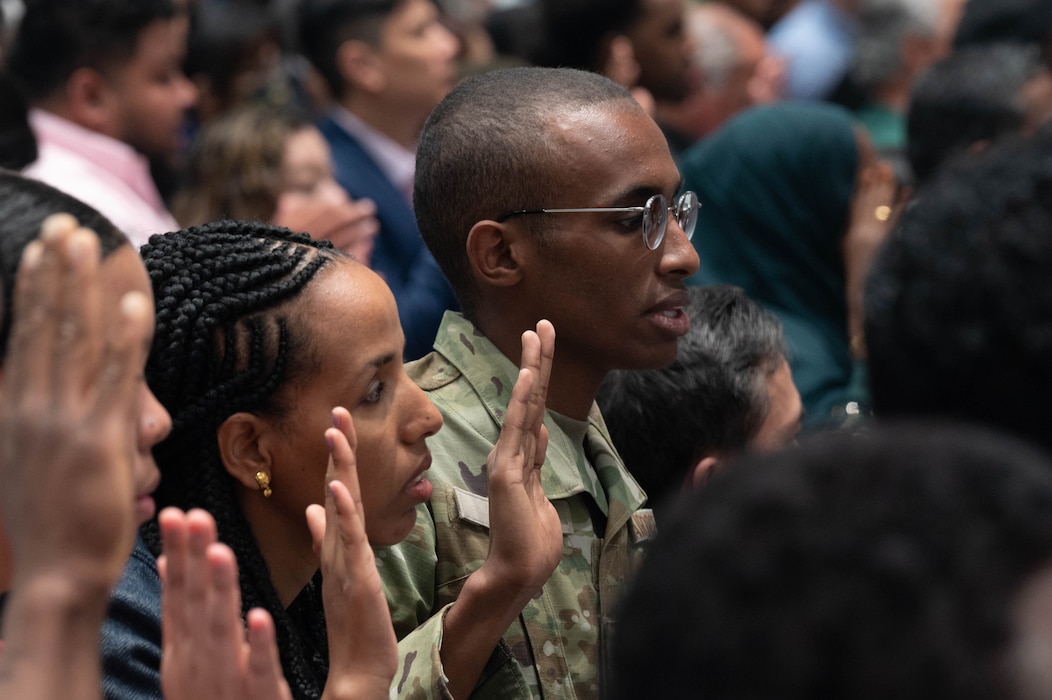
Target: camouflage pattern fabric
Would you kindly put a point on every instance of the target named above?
(553, 649)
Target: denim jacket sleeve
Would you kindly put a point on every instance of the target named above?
(131, 635)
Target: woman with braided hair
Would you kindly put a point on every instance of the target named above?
(77, 427)
(260, 333)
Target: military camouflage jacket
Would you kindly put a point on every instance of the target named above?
(553, 649)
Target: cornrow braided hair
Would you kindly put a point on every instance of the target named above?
(224, 344)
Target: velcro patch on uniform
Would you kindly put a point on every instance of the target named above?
(472, 507)
(644, 527)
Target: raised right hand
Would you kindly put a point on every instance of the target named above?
(363, 651)
(68, 415)
(525, 542)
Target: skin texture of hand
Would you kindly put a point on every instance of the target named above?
(525, 542)
(363, 651)
(866, 232)
(350, 226)
(206, 651)
(525, 530)
(68, 420)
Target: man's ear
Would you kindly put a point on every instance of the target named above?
(360, 66)
(243, 448)
(493, 250)
(702, 471)
(91, 101)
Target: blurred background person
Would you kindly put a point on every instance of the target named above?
(795, 205)
(897, 41)
(911, 563)
(973, 97)
(95, 91)
(736, 71)
(387, 64)
(641, 44)
(958, 305)
(264, 164)
(729, 391)
(234, 57)
(817, 39)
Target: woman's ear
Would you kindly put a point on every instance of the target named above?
(493, 250)
(242, 447)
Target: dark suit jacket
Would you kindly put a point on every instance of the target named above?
(400, 255)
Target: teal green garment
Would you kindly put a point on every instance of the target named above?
(886, 127)
(775, 183)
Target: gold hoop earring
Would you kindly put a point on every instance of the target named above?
(264, 483)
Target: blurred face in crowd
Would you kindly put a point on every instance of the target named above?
(150, 94)
(779, 429)
(663, 49)
(417, 56)
(1036, 97)
(309, 188)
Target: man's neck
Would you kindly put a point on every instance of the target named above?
(573, 385)
(60, 108)
(399, 125)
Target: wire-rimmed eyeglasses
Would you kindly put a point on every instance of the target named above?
(654, 215)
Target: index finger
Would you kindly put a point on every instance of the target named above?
(542, 370)
(78, 347)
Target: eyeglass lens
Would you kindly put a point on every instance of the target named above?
(655, 217)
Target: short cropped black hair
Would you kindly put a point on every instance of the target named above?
(484, 152)
(325, 25)
(855, 567)
(958, 307)
(711, 400)
(56, 37)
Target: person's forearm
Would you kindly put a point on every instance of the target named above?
(51, 641)
(857, 264)
(475, 625)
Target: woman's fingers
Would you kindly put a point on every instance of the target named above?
(265, 680)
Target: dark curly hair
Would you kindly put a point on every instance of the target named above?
(227, 341)
(958, 310)
(885, 565)
(485, 150)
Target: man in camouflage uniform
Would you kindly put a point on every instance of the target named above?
(478, 607)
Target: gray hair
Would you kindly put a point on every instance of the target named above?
(717, 49)
(883, 24)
